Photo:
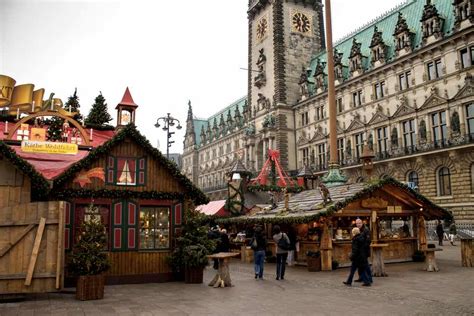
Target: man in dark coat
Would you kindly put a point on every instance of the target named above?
(440, 232)
(358, 258)
(365, 232)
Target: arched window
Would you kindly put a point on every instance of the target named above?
(444, 181)
(412, 179)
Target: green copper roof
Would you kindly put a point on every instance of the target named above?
(411, 10)
(200, 123)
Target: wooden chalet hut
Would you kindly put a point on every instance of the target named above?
(141, 195)
(141, 203)
(394, 213)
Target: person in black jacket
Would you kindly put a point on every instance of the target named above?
(259, 246)
(358, 257)
(440, 232)
(364, 231)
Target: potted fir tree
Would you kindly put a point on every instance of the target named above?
(88, 260)
(192, 249)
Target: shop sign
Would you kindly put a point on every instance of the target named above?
(48, 147)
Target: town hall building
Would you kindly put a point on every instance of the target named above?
(404, 87)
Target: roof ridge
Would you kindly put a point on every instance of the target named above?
(236, 102)
(372, 22)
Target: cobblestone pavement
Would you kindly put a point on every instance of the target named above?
(406, 291)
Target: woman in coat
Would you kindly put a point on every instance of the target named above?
(358, 258)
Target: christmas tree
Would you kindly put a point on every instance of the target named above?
(98, 115)
(88, 256)
(55, 128)
(72, 105)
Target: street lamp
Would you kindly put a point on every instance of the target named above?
(167, 122)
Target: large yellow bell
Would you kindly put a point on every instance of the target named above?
(22, 98)
(38, 99)
(6, 90)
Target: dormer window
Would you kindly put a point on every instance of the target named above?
(355, 58)
(403, 36)
(431, 22)
(378, 47)
(338, 74)
(462, 11)
(319, 76)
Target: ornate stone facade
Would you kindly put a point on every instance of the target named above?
(404, 86)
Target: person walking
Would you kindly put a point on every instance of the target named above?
(282, 246)
(452, 233)
(358, 258)
(259, 246)
(291, 252)
(440, 232)
(365, 232)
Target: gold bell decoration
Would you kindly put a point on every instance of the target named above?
(22, 98)
(38, 100)
(6, 90)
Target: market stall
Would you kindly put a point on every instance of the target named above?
(391, 210)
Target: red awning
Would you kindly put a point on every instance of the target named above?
(213, 208)
(52, 165)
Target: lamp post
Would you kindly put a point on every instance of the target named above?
(168, 121)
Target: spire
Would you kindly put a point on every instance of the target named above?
(127, 100)
(190, 111)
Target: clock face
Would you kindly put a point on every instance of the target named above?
(301, 22)
(262, 28)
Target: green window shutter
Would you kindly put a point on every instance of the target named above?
(141, 171)
(111, 170)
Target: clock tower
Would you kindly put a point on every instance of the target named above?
(283, 37)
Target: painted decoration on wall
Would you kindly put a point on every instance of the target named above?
(126, 169)
(84, 177)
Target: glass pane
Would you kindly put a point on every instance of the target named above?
(470, 124)
(470, 110)
(443, 117)
(435, 119)
(147, 225)
(163, 225)
(438, 68)
(431, 71)
(407, 78)
(465, 60)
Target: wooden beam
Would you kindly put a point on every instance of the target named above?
(60, 249)
(25, 223)
(402, 199)
(34, 253)
(9, 246)
(21, 276)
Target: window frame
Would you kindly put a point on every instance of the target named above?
(359, 147)
(156, 209)
(470, 119)
(434, 69)
(442, 177)
(409, 135)
(382, 139)
(440, 126)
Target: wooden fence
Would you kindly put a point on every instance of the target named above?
(32, 247)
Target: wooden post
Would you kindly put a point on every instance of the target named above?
(422, 233)
(373, 226)
(34, 253)
(326, 249)
(60, 249)
(467, 253)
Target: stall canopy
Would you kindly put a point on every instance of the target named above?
(213, 208)
(309, 205)
(52, 165)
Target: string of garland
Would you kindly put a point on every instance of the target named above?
(189, 190)
(117, 194)
(39, 184)
(367, 191)
(274, 188)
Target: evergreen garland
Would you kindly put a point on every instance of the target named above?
(39, 185)
(273, 188)
(367, 191)
(130, 130)
(98, 115)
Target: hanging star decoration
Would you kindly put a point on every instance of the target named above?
(84, 177)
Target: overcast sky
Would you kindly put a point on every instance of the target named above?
(167, 52)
